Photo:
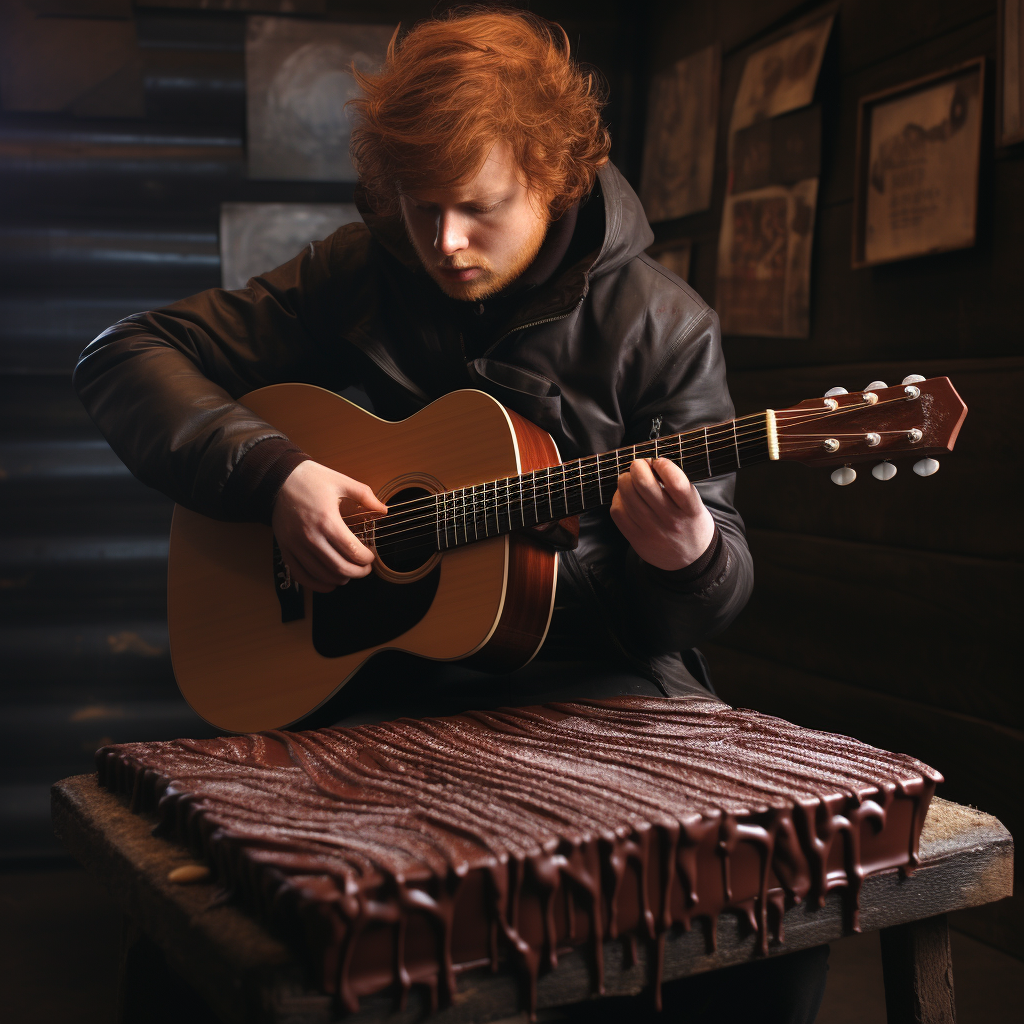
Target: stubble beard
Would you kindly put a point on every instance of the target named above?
(491, 281)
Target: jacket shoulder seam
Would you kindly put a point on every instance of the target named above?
(690, 329)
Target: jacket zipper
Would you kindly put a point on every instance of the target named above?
(536, 323)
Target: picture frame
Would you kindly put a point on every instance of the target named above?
(917, 166)
(679, 140)
(1010, 73)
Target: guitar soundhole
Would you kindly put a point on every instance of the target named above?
(380, 607)
(410, 542)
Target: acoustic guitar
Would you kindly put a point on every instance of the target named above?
(457, 574)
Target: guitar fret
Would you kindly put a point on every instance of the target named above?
(700, 453)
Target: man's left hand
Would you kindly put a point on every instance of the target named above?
(661, 514)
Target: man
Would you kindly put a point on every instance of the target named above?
(500, 251)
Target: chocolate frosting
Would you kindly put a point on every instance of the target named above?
(407, 852)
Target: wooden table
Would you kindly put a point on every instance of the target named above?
(247, 975)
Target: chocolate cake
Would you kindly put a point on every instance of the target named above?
(405, 853)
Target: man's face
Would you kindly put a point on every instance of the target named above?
(478, 237)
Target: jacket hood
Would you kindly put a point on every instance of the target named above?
(625, 233)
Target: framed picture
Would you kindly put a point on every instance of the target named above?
(1009, 81)
(679, 144)
(781, 77)
(764, 261)
(298, 80)
(916, 175)
(257, 237)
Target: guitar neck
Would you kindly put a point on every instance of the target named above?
(547, 495)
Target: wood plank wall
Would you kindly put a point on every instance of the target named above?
(888, 611)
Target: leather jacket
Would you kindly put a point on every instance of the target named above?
(609, 347)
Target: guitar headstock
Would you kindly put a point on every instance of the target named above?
(919, 417)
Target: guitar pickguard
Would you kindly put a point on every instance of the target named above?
(368, 612)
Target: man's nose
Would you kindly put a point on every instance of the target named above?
(451, 233)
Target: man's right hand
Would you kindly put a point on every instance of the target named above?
(317, 546)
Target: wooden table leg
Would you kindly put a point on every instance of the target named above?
(918, 973)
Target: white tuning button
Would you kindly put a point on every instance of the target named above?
(926, 467)
(843, 475)
(836, 391)
(884, 471)
(914, 378)
(876, 385)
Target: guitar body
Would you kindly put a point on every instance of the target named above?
(243, 669)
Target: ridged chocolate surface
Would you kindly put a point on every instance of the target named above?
(403, 853)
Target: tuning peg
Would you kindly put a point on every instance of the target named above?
(926, 467)
(876, 385)
(914, 378)
(843, 475)
(884, 471)
(836, 391)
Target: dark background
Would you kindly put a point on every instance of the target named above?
(886, 611)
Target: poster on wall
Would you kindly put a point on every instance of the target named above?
(256, 237)
(1010, 81)
(918, 152)
(674, 256)
(767, 233)
(781, 77)
(298, 80)
(764, 261)
(679, 144)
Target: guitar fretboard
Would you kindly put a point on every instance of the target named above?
(498, 506)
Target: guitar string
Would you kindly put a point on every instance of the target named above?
(470, 509)
(584, 475)
(473, 501)
(468, 505)
(808, 415)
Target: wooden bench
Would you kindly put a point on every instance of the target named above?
(246, 975)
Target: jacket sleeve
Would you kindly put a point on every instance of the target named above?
(672, 611)
(163, 386)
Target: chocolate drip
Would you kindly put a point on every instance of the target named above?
(406, 853)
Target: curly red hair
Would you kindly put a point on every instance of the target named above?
(454, 86)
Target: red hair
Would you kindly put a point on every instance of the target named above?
(454, 86)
